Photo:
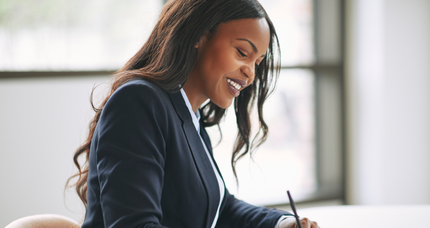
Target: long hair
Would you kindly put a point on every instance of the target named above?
(167, 58)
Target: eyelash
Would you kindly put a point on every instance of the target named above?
(241, 53)
(257, 66)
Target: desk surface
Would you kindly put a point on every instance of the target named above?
(369, 216)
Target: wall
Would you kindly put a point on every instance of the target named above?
(42, 122)
(388, 104)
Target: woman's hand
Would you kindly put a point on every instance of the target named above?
(290, 222)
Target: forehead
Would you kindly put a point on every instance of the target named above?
(255, 30)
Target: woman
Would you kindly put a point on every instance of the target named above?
(149, 159)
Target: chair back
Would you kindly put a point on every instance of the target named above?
(44, 221)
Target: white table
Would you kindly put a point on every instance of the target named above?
(401, 216)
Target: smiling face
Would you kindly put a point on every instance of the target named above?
(226, 61)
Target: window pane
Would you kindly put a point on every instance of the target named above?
(103, 35)
(293, 20)
(73, 35)
(287, 159)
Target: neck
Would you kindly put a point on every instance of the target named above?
(196, 100)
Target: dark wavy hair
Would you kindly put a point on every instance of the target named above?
(168, 57)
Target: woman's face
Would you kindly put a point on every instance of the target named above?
(226, 61)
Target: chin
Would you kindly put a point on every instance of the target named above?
(224, 104)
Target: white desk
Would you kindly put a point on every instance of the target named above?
(402, 216)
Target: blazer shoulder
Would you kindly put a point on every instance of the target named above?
(141, 86)
(140, 91)
(138, 100)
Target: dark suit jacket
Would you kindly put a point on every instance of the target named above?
(148, 168)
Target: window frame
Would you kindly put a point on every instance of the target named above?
(328, 74)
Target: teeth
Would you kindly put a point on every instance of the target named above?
(234, 84)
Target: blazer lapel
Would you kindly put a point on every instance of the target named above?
(201, 160)
(206, 138)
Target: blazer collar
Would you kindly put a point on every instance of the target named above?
(180, 106)
(201, 160)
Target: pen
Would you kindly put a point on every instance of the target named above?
(294, 209)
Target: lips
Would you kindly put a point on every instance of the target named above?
(235, 85)
(238, 81)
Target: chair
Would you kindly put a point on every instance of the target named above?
(44, 221)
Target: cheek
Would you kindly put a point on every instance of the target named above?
(220, 61)
(225, 63)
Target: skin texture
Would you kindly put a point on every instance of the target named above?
(226, 54)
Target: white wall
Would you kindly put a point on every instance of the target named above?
(42, 122)
(388, 104)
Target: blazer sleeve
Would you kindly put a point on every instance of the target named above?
(237, 213)
(130, 155)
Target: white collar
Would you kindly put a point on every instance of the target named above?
(194, 116)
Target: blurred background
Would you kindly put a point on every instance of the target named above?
(349, 119)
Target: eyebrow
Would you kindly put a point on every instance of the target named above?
(254, 48)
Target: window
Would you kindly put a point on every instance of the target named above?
(63, 35)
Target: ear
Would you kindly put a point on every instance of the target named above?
(202, 40)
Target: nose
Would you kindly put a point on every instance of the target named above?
(249, 71)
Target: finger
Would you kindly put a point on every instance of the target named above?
(314, 224)
(305, 223)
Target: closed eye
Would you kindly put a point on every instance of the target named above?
(241, 53)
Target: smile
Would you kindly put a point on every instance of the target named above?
(234, 84)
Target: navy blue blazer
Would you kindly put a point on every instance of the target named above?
(148, 168)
